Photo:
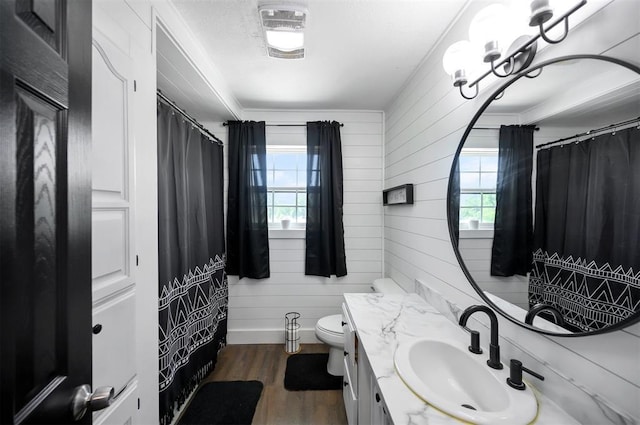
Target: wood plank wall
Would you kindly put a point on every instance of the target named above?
(257, 307)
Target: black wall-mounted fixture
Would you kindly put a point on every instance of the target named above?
(398, 195)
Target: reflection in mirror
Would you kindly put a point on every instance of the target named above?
(548, 223)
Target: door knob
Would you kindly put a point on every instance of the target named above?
(83, 399)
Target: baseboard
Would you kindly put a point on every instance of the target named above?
(268, 336)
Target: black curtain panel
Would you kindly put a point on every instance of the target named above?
(513, 227)
(193, 291)
(587, 222)
(325, 253)
(247, 226)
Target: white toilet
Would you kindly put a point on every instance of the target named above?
(329, 328)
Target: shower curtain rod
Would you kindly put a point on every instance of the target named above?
(189, 118)
(281, 125)
(613, 127)
(497, 128)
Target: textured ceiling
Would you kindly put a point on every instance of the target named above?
(358, 53)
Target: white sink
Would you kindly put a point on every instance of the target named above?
(447, 376)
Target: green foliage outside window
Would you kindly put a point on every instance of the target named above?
(478, 174)
(286, 185)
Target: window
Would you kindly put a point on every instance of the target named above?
(287, 185)
(478, 173)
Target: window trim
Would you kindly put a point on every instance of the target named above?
(296, 229)
(278, 233)
(493, 152)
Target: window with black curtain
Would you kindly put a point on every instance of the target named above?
(247, 226)
(325, 252)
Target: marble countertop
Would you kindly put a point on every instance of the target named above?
(383, 321)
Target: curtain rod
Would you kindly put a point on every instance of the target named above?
(497, 128)
(226, 123)
(590, 132)
(189, 118)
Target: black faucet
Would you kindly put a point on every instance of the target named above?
(494, 348)
(539, 308)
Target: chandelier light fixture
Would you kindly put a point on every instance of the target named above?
(498, 36)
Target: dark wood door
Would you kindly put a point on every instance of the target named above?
(45, 203)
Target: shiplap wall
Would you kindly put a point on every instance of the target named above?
(257, 307)
(596, 378)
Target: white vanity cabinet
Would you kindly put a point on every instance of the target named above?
(360, 386)
(379, 411)
(365, 384)
(350, 378)
(371, 407)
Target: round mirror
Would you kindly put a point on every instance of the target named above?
(544, 197)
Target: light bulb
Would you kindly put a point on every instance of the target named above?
(456, 61)
(519, 16)
(489, 29)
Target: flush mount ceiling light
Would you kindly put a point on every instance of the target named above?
(283, 27)
(492, 30)
(285, 40)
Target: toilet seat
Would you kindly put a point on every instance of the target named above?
(331, 324)
(329, 330)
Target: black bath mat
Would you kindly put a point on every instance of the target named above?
(218, 403)
(309, 372)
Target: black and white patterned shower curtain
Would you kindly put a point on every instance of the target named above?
(586, 260)
(193, 291)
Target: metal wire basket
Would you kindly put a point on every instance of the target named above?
(291, 332)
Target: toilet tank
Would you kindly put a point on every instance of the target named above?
(387, 286)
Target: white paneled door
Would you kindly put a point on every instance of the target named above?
(113, 255)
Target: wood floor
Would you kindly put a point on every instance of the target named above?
(277, 406)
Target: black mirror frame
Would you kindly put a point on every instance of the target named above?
(454, 238)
